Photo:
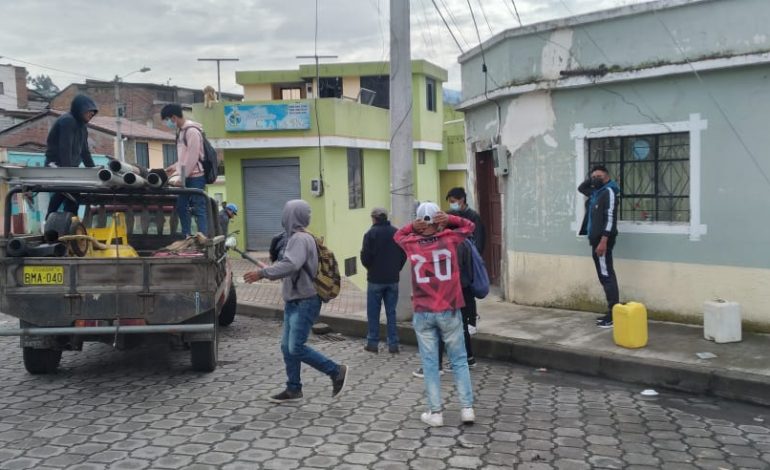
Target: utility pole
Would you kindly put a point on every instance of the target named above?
(219, 81)
(401, 178)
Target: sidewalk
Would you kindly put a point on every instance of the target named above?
(568, 341)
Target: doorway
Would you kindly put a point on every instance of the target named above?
(490, 210)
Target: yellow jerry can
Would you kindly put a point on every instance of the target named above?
(630, 325)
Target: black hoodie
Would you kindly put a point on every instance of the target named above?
(68, 138)
(380, 255)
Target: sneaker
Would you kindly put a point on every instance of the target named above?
(393, 349)
(419, 374)
(371, 348)
(432, 419)
(338, 383)
(471, 362)
(605, 323)
(286, 396)
(467, 416)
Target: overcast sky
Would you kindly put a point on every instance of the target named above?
(77, 39)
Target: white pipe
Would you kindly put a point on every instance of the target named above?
(132, 179)
(108, 178)
(154, 180)
(123, 167)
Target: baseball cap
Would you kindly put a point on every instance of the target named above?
(233, 208)
(380, 213)
(426, 211)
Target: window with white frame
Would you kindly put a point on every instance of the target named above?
(653, 172)
(658, 167)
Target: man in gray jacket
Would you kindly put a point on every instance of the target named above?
(298, 268)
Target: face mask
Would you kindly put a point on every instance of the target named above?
(455, 206)
(597, 182)
(170, 124)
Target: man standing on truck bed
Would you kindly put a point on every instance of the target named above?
(298, 268)
(67, 146)
(189, 167)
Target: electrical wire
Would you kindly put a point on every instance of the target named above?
(716, 102)
(447, 27)
(486, 20)
(516, 10)
(486, 72)
(453, 18)
(316, 93)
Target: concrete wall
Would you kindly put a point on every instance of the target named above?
(671, 270)
(261, 92)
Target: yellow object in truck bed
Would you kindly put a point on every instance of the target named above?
(115, 230)
(630, 325)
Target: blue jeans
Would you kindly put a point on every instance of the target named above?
(376, 294)
(448, 325)
(298, 319)
(198, 203)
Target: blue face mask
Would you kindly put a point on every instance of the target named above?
(170, 124)
(455, 206)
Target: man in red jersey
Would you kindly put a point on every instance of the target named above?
(430, 243)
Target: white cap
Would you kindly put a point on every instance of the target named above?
(426, 211)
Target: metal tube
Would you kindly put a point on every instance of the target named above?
(123, 167)
(103, 330)
(108, 178)
(132, 179)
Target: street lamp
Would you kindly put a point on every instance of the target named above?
(118, 135)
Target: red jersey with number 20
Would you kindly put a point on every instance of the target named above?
(435, 270)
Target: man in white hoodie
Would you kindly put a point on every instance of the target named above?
(189, 167)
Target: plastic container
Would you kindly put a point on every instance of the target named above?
(630, 325)
(722, 321)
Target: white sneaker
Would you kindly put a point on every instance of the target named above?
(433, 419)
(467, 415)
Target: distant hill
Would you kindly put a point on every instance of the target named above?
(452, 97)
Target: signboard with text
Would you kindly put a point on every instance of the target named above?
(267, 117)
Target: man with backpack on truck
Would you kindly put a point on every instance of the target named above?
(193, 166)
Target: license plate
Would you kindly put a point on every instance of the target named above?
(43, 275)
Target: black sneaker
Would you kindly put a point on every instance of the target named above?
(393, 349)
(371, 348)
(606, 323)
(286, 396)
(338, 383)
(419, 373)
(471, 362)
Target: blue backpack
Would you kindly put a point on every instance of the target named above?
(480, 279)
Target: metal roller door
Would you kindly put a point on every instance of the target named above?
(268, 184)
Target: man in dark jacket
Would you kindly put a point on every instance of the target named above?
(600, 224)
(383, 260)
(67, 146)
(458, 206)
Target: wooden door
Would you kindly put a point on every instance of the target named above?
(490, 209)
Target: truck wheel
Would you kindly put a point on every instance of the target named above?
(41, 361)
(227, 315)
(203, 354)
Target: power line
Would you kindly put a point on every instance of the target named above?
(485, 71)
(714, 100)
(447, 26)
(453, 18)
(516, 10)
(508, 6)
(486, 20)
(51, 68)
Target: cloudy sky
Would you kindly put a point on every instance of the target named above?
(77, 39)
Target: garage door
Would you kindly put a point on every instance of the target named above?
(268, 184)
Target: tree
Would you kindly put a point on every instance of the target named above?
(43, 85)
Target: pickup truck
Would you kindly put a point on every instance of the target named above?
(118, 299)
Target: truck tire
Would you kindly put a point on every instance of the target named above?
(41, 361)
(227, 315)
(203, 354)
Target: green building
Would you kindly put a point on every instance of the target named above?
(282, 143)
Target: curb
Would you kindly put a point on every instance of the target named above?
(723, 383)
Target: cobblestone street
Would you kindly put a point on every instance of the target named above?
(146, 409)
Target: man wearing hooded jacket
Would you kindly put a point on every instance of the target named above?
(302, 305)
(67, 146)
(600, 224)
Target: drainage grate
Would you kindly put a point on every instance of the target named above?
(330, 337)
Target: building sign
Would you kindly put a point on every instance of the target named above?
(267, 117)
